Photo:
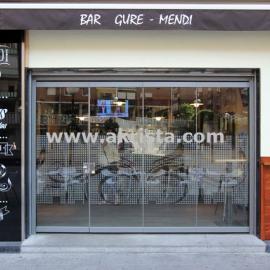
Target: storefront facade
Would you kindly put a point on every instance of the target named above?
(142, 161)
(155, 129)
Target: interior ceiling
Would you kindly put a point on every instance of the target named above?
(143, 1)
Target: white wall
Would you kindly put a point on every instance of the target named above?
(56, 49)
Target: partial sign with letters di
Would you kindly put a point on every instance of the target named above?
(4, 55)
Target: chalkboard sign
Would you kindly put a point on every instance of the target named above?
(10, 139)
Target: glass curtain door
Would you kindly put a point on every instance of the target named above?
(196, 156)
(61, 155)
(116, 158)
(88, 171)
(153, 158)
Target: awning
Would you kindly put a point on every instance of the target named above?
(134, 19)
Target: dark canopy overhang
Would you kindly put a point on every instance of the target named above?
(129, 15)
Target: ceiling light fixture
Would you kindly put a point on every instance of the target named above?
(197, 103)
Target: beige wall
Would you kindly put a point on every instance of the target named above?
(56, 49)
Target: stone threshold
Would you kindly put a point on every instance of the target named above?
(143, 243)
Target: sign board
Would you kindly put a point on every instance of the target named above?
(10, 140)
(112, 19)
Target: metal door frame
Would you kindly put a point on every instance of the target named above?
(247, 81)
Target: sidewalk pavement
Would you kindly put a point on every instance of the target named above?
(135, 261)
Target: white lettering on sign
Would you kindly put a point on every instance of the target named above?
(3, 113)
(4, 55)
(134, 19)
(175, 19)
(3, 126)
(3, 211)
(129, 19)
(92, 19)
(6, 149)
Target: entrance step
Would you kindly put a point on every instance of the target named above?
(143, 243)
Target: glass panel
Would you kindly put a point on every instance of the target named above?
(132, 157)
(61, 154)
(116, 160)
(196, 157)
(223, 167)
(171, 193)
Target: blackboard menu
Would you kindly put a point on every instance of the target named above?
(10, 139)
